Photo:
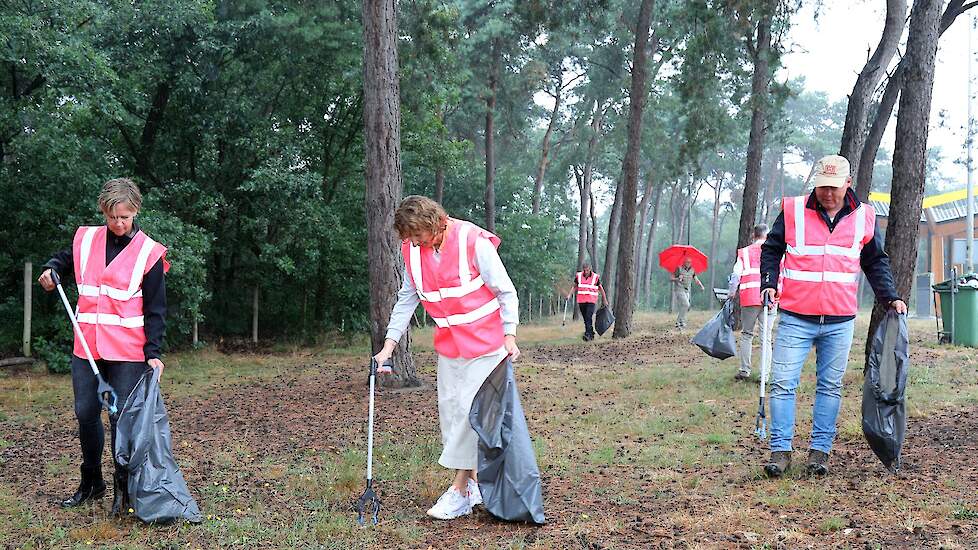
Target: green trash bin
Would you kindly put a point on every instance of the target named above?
(965, 323)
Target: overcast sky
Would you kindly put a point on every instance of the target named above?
(830, 50)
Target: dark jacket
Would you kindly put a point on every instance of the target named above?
(154, 289)
(873, 260)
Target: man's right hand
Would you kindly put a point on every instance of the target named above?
(47, 283)
(383, 355)
(772, 296)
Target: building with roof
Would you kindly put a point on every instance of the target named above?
(943, 225)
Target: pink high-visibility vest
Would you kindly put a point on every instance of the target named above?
(821, 268)
(749, 258)
(451, 289)
(110, 297)
(587, 288)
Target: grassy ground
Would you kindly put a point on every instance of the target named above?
(642, 442)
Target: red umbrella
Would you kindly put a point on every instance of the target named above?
(671, 258)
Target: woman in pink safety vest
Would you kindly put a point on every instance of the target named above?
(453, 270)
(587, 287)
(119, 272)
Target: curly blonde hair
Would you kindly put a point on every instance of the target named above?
(417, 214)
(119, 191)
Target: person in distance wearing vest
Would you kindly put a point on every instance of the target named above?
(121, 311)
(452, 269)
(825, 239)
(748, 268)
(586, 286)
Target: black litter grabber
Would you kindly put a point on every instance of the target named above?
(106, 394)
(760, 425)
(369, 503)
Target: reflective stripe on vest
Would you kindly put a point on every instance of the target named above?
(110, 297)
(821, 267)
(452, 291)
(587, 288)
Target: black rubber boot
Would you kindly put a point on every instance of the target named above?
(91, 487)
(120, 491)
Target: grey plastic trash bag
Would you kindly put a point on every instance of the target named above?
(157, 490)
(884, 383)
(508, 475)
(603, 320)
(716, 337)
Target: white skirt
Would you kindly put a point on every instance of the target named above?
(459, 379)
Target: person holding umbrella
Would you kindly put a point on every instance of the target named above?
(825, 239)
(119, 272)
(453, 270)
(682, 279)
(586, 286)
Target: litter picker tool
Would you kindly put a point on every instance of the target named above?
(564, 320)
(766, 317)
(106, 394)
(369, 504)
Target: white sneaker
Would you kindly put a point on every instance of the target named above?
(475, 495)
(451, 505)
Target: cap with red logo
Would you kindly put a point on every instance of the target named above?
(831, 171)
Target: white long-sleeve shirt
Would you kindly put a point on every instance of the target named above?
(493, 274)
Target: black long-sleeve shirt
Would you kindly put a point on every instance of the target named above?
(873, 259)
(153, 286)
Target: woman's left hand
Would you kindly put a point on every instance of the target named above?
(158, 365)
(510, 344)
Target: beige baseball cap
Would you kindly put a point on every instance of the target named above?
(831, 171)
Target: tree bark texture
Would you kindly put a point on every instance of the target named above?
(650, 255)
(910, 151)
(545, 146)
(857, 112)
(490, 137)
(382, 123)
(625, 285)
(758, 126)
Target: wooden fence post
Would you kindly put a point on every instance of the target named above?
(28, 276)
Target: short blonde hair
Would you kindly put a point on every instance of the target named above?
(417, 214)
(119, 191)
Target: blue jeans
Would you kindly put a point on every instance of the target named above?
(794, 340)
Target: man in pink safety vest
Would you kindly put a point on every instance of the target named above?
(453, 270)
(825, 240)
(587, 287)
(748, 268)
(119, 272)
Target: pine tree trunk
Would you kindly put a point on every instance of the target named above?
(650, 247)
(610, 270)
(758, 124)
(857, 113)
(625, 286)
(382, 122)
(490, 137)
(910, 151)
(545, 149)
(439, 184)
(894, 85)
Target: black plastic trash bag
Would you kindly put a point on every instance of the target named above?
(508, 475)
(157, 490)
(716, 337)
(884, 410)
(603, 320)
